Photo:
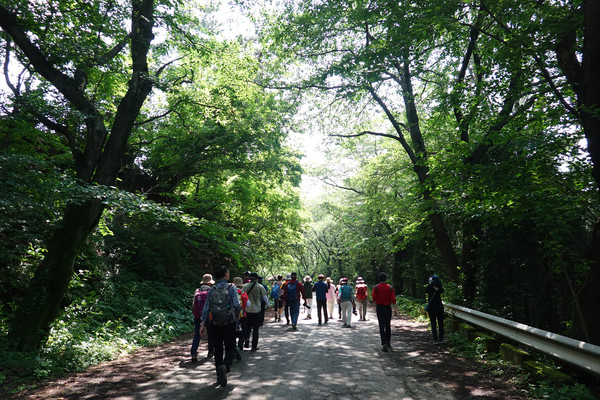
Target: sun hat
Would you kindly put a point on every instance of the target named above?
(360, 280)
(207, 279)
(253, 275)
(307, 278)
(237, 281)
(321, 276)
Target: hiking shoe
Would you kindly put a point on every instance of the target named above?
(294, 327)
(238, 354)
(254, 349)
(384, 348)
(222, 375)
(194, 359)
(210, 354)
(247, 344)
(319, 322)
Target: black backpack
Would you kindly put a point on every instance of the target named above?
(220, 312)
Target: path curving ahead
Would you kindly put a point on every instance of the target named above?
(314, 362)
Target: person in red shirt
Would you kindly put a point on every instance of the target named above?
(384, 297)
(361, 298)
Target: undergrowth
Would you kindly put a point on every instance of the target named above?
(97, 328)
(493, 363)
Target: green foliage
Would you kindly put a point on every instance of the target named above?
(546, 390)
(122, 316)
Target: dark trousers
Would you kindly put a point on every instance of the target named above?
(287, 311)
(437, 320)
(224, 339)
(322, 305)
(196, 341)
(384, 318)
(254, 321)
(242, 334)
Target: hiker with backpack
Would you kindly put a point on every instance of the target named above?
(321, 289)
(346, 302)
(276, 296)
(361, 298)
(220, 311)
(435, 308)
(384, 296)
(199, 299)
(256, 293)
(242, 326)
(293, 292)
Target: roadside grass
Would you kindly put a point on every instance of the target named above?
(493, 363)
(93, 330)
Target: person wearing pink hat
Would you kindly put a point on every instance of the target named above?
(361, 298)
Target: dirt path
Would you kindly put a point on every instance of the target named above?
(315, 362)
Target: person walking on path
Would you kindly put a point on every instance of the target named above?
(199, 300)
(256, 293)
(286, 305)
(242, 329)
(263, 303)
(331, 297)
(293, 293)
(346, 302)
(337, 297)
(276, 296)
(435, 308)
(384, 296)
(320, 288)
(361, 298)
(219, 312)
(308, 289)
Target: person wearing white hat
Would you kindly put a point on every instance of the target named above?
(330, 296)
(308, 289)
(199, 299)
(361, 298)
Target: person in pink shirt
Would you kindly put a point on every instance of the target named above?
(331, 297)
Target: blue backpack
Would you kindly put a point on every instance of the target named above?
(292, 291)
(275, 292)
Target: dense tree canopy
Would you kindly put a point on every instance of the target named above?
(139, 147)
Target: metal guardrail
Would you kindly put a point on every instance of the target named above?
(580, 354)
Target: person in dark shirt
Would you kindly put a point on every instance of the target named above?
(435, 308)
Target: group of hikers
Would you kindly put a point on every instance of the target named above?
(231, 314)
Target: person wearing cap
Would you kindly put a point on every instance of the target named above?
(361, 298)
(384, 296)
(256, 293)
(337, 295)
(331, 297)
(435, 308)
(245, 277)
(320, 288)
(346, 302)
(276, 292)
(286, 305)
(293, 292)
(308, 289)
(243, 316)
(199, 299)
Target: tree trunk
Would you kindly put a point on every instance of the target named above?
(51, 280)
(99, 163)
(471, 232)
